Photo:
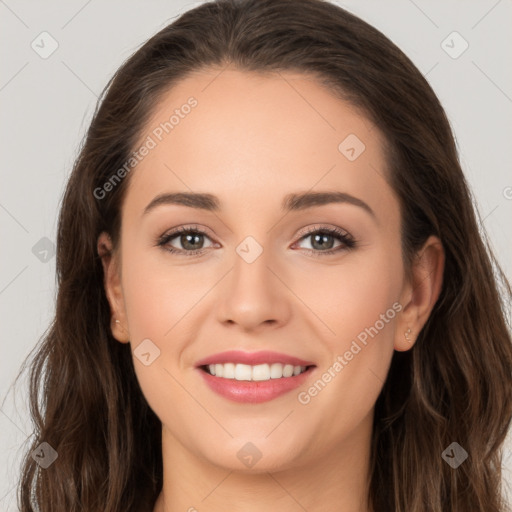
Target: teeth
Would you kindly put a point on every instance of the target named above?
(258, 372)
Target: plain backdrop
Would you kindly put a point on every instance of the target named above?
(47, 104)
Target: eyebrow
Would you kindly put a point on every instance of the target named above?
(291, 202)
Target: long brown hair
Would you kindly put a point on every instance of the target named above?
(454, 385)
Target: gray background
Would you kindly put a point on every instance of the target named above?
(48, 103)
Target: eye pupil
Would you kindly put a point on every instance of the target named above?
(185, 239)
(322, 238)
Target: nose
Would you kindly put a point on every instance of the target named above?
(254, 296)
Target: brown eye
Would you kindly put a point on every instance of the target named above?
(190, 240)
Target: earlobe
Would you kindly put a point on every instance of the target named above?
(420, 296)
(113, 289)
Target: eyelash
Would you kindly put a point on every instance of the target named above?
(348, 241)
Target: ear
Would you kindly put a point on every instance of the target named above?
(113, 288)
(419, 296)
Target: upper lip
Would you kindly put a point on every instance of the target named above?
(252, 358)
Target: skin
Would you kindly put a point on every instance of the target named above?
(251, 140)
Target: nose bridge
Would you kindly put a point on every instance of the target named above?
(253, 294)
(250, 266)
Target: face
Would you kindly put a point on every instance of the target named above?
(263, 268)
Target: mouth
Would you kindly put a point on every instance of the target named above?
(254, 384)
(254, 377)
(255, 373)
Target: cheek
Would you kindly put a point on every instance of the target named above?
(157, 299)
(352, 297)
(361, 308)
(157, 295)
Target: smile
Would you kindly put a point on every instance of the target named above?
(259, 372)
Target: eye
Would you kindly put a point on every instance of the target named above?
(322, 239)
(191, 240)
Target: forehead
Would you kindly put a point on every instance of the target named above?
(244, 135)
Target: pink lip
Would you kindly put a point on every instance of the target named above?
(252, 358)
(253, 391)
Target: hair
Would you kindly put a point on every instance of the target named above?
(454, 384)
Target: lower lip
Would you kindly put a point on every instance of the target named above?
(254, 392)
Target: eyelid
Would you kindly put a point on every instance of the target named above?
(186, 229)
(322, 227)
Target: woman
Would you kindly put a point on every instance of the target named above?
(202, 357)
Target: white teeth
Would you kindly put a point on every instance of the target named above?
(258, 372)
(228, 371)
(276, 371)
(288, 370)
(243, 372)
